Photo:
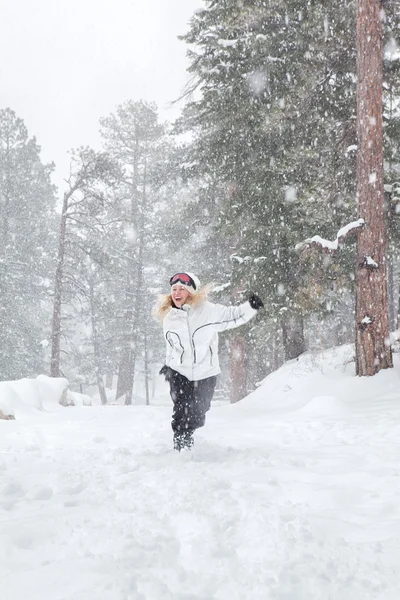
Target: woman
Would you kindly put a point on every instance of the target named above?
(191, 325)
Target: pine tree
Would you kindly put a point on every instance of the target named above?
(27, 202)
(273, 124)
(82, 219)
(132, 137)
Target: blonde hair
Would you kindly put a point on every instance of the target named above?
(165, 303)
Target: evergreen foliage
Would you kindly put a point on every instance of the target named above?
(271, 111)
(262, 157)
(27, 218)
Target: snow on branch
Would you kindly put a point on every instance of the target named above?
(329, 245)
(227, 43)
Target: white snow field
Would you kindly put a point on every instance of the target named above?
(291, 494)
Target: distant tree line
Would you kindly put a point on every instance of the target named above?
(263, 155)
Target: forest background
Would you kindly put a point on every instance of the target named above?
(262, 157)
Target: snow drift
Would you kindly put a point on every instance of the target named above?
(290, 494)
(26, 397)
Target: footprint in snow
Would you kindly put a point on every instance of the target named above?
(11, 493)
(75, 489)
(13, 490)
(42, 492)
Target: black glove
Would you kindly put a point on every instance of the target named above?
(255, 301)
(166, 371)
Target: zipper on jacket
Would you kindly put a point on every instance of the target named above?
(191, 343)
(172, 345)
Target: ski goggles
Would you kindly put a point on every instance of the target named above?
(182, 278)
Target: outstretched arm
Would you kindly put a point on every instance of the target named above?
(229, 317)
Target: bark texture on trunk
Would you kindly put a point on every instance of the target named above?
(372, 350)
(392, 299)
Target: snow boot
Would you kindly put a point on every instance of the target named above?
(183, 441)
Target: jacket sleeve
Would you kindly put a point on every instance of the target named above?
(229, 317)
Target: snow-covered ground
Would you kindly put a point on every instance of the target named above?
(292, 494)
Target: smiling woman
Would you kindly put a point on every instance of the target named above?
(191, 326)
(179, 295)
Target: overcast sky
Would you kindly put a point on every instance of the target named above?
(66, 63)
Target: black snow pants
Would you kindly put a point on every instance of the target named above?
(192, 399)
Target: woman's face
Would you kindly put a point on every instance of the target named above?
(179, 295)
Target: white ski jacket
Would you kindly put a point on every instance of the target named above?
(191, 334)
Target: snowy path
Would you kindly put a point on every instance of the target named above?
(284, 505)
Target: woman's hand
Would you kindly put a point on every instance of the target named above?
(255, 301)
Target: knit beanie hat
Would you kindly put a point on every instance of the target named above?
(189, 281)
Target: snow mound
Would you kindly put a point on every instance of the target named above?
(76, 399)
(52, 389)
(21, 397)
(324, 406)
(291, 493)
(9, 401)
(320, 384)
(30, 397)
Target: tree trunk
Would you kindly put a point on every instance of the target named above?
(123, 372)
(109, 380)
(141, 216)
(102, 389)
(56, 323)
(127, 362)
(96, 346)
(274, 361)
(372, 351)
(138, 299)
(293, 336)
(390, 292)
(146, 367)
(237, 367)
